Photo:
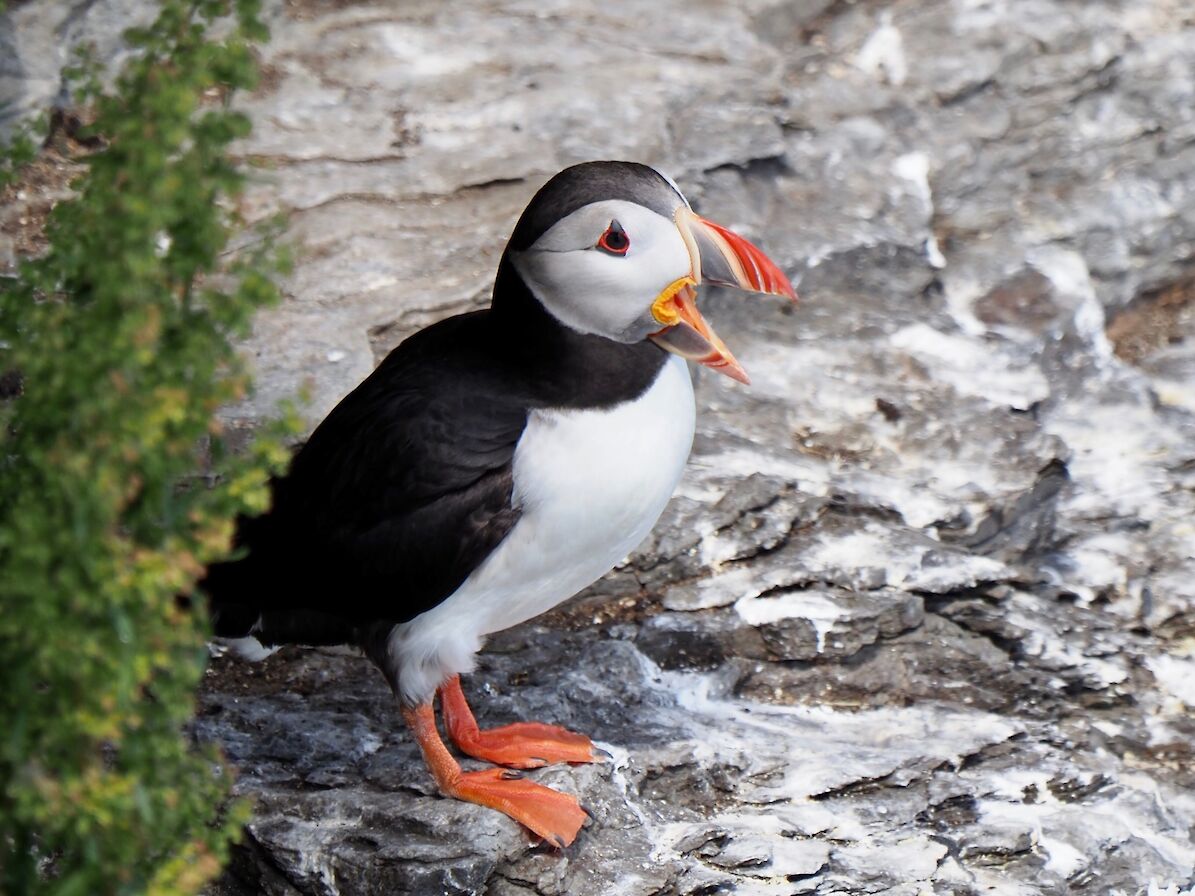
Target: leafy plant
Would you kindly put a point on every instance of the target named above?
(122, 333)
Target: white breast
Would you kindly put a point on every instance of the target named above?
(591, 484)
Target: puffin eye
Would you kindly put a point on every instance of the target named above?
(615, 240)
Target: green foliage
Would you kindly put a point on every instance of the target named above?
(122, 337)
(20, 152)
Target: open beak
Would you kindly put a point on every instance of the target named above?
(718, 256)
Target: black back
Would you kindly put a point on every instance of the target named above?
(407, 485)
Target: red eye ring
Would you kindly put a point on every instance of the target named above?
(615, 240)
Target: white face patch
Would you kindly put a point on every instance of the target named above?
(594, 291)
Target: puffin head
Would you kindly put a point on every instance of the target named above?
(614, 250)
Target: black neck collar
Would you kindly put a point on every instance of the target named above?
(565, 368)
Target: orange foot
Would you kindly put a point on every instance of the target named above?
(554, 816)
(521, 745)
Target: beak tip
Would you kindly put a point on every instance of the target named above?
(733, 369)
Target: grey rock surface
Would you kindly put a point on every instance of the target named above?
(921, 617)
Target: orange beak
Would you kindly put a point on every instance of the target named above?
(718, 256)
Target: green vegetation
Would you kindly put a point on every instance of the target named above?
(117, 485)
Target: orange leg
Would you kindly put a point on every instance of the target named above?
(554, 816)
(521, 745)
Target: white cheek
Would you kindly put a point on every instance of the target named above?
(595, 292)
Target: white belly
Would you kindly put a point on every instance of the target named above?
(591, 484)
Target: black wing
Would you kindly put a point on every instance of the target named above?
(401, 492)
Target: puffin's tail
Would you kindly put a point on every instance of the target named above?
(244, 604)
(275, 628)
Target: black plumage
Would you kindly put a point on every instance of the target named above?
(406, 486)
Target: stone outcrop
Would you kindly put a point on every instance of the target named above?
(921, 617)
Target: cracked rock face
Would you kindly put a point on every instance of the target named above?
(921, 617)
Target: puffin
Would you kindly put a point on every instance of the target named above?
(496, 463)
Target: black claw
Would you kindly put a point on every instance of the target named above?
(559, 841)
(510, 774)
(603, 753)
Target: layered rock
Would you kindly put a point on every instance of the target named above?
(921, 615)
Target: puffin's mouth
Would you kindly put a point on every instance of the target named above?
(686, 332)
(718, 256)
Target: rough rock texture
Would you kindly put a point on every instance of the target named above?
(921, 617)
